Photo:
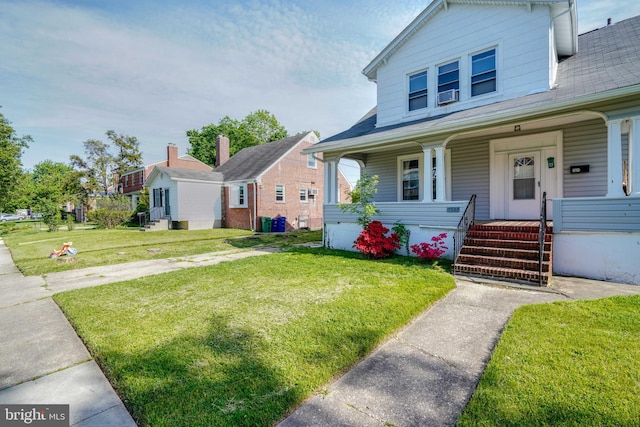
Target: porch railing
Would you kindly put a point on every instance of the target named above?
(156, 213)
(468, 217)
(542, 231)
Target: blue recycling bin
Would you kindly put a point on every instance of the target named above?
(279, 224)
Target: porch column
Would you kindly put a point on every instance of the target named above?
(634, 156)
(427, 177)
(329, 196)
(614, 159)
(440, 175)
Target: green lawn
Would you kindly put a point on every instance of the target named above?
(244, 342)
(31, 247)
(568, 364)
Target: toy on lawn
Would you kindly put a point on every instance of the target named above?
(66, 250)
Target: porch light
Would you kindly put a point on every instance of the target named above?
(516, 128)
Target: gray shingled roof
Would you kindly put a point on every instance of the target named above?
(608, 59)
(250, 162)
(176, 173)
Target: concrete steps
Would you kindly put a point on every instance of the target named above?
(156, 225)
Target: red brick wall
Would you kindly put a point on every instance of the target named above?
(292, 172)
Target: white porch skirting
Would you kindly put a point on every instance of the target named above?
(598, 255)
(341, 236)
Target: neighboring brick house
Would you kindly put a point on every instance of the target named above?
(132, 182)
(271, 180)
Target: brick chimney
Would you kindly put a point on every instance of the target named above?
(222, 150)
(172, 155)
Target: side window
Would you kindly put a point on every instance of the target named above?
(483, 73)
(303, 195)
(448, 80)
(280, 193)
(238, 196)
(418, 91)
(311, 161)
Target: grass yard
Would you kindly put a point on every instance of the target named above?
(569, 364)
(31, 247)
(245, 342)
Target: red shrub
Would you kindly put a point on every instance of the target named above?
(431, 251)
(373, 242)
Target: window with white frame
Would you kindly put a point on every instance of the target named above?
(238, 196)
(279, 193)
(449, 77)
(483, 73)
(303, 195)
(311, 161)
(410, 177)
(418, 91)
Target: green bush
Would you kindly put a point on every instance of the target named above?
(106, 218)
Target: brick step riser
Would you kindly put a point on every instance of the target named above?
(518, 264)
(511, 228)
(504, 235)
(505, 252)
(526, 276)
(507, 244)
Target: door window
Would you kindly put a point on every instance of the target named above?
(524, 178)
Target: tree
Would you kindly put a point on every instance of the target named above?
(362, 199)
(256, 128)
(52, 185)
(11, 147)
(128, 155)
(100, 165)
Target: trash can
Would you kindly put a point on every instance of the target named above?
(274, 224)
(281, 223)
(266, 224)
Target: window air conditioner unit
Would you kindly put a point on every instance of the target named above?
(447, 96)
(312, 191)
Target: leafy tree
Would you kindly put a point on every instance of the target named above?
(128, 156)
(256, 128)
(52, 184)
(362, 199)
(11, 147)
(100, 165)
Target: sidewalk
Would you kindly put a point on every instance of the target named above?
(426, 374)
(422, 376)
(42, 360)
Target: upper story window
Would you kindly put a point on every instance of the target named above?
(483, 73)
(449, 76)
(280, 193)
(303, 194)
(311, 161)
(418, 91)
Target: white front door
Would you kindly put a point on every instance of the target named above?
(524, 185)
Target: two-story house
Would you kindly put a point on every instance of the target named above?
(483, 109)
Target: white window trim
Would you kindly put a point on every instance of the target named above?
(442, 64)
(400, 160)
(284, 198)
(315, 161)
(408, 91)
(305, 198)
(470, 72)
(234, 196)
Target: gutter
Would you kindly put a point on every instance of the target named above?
(369, 141)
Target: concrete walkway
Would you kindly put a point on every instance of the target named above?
(42, 360)
(426, 374)
(422, 376)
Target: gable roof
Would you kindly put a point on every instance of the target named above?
(563, 13)
(607, 66)
(249, 163)
(177, 174)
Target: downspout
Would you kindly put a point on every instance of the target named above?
(255, 207)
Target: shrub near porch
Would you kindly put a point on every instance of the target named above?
(245, 342)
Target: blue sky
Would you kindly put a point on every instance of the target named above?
(153, 69)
